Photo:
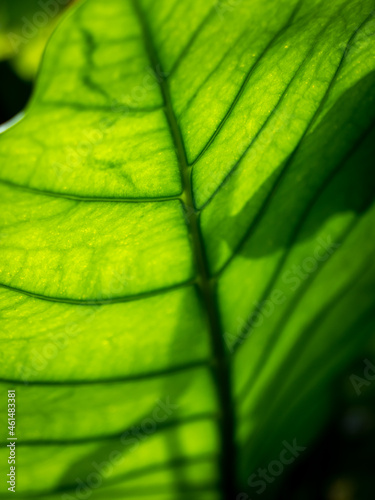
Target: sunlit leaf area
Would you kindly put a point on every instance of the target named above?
(187, 242)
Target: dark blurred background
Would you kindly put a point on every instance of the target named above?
(25, 27)
(340, 464)
(14, 92)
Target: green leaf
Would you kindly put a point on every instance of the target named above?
(187, 242)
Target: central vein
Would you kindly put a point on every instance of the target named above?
(220, 366)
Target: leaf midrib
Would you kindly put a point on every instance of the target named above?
(221, 368)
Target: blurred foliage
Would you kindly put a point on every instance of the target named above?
(340, 463)
(25, 27)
